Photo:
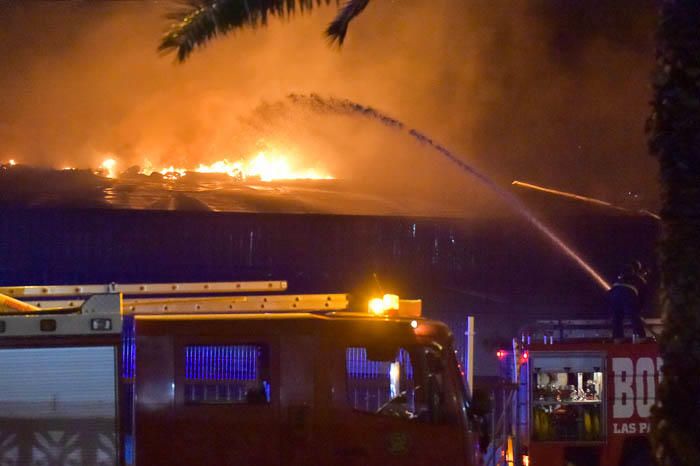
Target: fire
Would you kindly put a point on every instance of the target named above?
(232, 169)
(270, 168)
(108, 168)
(264, 166)
(171, 173)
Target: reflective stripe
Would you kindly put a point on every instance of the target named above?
(627, 285)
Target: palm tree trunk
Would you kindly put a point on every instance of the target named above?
(674, 138)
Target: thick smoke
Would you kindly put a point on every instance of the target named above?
(550, 92)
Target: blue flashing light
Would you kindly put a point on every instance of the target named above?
(266, 384)
(128, 349)
(222, 362)
(129, 449)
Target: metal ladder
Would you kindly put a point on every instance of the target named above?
(175, 298)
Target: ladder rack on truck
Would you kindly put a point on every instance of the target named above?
(174, 297)
(144, 289)
(99, 308)
(14, 298)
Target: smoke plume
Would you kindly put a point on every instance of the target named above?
(550, 92)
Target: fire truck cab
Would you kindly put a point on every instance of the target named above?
(248, 380)
(577, 398)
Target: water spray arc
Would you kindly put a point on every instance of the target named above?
(346, 107)
(590, 200)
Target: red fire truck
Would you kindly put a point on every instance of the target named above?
(577, 398)
(129, 374)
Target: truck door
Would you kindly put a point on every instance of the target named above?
(300, 444)
(396, 405)
(217, 402)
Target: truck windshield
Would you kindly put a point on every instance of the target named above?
(567, 397)
(412, 384)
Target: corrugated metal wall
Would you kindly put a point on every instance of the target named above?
(487, 268)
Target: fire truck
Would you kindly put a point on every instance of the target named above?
(572, 397)
(199, 374)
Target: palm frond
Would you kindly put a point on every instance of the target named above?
(196, 22)
(339, 26)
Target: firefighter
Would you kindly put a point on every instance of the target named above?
(626, 299)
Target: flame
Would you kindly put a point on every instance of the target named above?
(232, 169)
(265, 166)
(172, 173)
(108, 168)
(13, 162)
(147, 168)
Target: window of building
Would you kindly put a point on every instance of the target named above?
(567, 398)
(227, 374)
(408, 383)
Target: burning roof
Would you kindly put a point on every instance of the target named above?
(264, 184)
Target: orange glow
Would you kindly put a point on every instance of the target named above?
(509, 450)
(232, 169)
(12, 162)
(376, 306)
(385, 305)
(147, 168)
(171, 173)
(265, 166)
(108, 168)
(563, 194)
(578, 197)
(8, 302)
(391, 301)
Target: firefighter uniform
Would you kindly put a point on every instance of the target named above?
(626, 298)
